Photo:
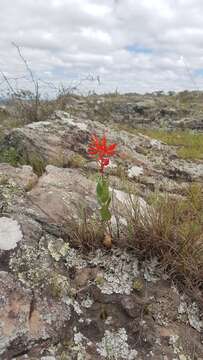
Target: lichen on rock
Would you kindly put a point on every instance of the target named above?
(192, 313)
(10, 233)
(120, 270)
(114, 346)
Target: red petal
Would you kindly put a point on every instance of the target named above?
(92, 152)
(103, 141)
(111, 149)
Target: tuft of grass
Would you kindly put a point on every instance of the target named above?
(169, 228)
(189, 144)
(77, 161)
(10, 156)
(86, 233)
(38, 164)
(172, 230)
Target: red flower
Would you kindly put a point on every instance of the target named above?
(99, 149)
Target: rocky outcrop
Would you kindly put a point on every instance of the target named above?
(148, 111)
(60, 141)
(23, 176)
(59, 302)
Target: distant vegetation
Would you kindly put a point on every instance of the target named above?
(189, 144)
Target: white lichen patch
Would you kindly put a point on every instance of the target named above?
(119, 271)
(150, 270)
(192, 313)
(194, 317)
(78, 349)
(39, 125)
(87, 302)
(174, 341)
(135, 171)
(67, 120)
(114, 346)
(76, 307)
(80, 125)
(58, 249)
(74, 259)
(156, 144)
(10, 233)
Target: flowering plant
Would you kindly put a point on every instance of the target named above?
(99, 150)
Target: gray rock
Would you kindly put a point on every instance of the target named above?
(58, 302)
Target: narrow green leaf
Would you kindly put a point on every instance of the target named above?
(99, 188)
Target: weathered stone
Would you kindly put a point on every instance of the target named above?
(22, 176)
(14, 316)
(25, 319)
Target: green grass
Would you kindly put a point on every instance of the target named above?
(9, 156)
(189, 144)
(12, 157)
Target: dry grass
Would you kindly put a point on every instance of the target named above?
(86, 232)
(77, 161)
(172, 230)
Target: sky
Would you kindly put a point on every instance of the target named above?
(129, 45)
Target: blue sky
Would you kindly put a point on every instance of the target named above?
(139, 49)
(198, 72)
(131, 45)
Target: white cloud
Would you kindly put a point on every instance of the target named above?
(132, 45)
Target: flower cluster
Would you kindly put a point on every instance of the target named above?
(101, 151)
